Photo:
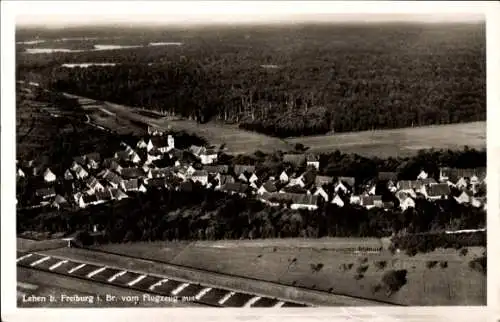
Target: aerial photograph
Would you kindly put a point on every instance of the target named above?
(313, 162)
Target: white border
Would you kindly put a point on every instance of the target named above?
(241, 11)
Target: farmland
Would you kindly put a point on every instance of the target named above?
(290, 263)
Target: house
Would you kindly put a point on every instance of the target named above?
(132, 173)
(344, 184)
(296, 160)
(338, 201)
(355, 200)
(112, 178)
(135, 158)
(462, 183)
(268, 187)
(371, 201)
(284, 176)
(422, 175)
(200, 176)
(405, 200)
(241, 168)
(68, 175)
(321, 192)
(152, 156)
(112, 164)
(408, 186)
(130, 185)
(209, 156)
(244, 177)
(170, 142)
(253, 178)
(235, 188)
(79, 171)
(158, 144)
(122, 155)
(117, 194)
(93, 156)
(79, 159)
(197, 150)
(142, 144)
(224, 178)
(312, 160)
(20, 173)
(478, 203)
(59, 202)
(213, 169)
(103, 196)
(296, 182)
(294, 189)
(435, 191)
(157, 183)
(464, 198)
(49, 176)
(322, 180)
(45, 193)
(304, 201)
(160, 173)
(94, 185)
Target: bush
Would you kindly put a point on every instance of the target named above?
(431, 264)
(362, 269)
(380, 265)
(376, 288)
(478, 264)
(316, 267)
(394, 280)
(443, 264)
(464, 252)
(358, 276)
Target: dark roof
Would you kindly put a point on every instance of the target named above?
(295, 159)
(387, 176)
(92, 182)
(370, 200)
(294, 189)
(162, 172)
(103, 195)
(241, 168)
(157, 182)
(131, 184)
(270, 186)
(112, 177)
(438, 189)
(132, 172)
(216, 168)
(200, 173)
(93, 156)
(117, 193)
(308, 177)
(348, 180)
(225, 179)
(321, 180)
(45, 192)
(235, 187)
(89, 198)
(79, 159)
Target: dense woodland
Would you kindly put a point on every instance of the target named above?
(315, 79)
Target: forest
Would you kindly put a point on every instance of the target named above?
(292, 81)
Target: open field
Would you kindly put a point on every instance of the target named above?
(211, 279)
(381, 143)
(399, 142)
(455, 284)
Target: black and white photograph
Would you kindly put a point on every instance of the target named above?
(252, 160)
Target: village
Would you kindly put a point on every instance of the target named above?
(91, 180)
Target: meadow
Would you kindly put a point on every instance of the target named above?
(444, 276)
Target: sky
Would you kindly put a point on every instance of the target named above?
(68, 13)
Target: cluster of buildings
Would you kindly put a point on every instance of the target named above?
(134, 169)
